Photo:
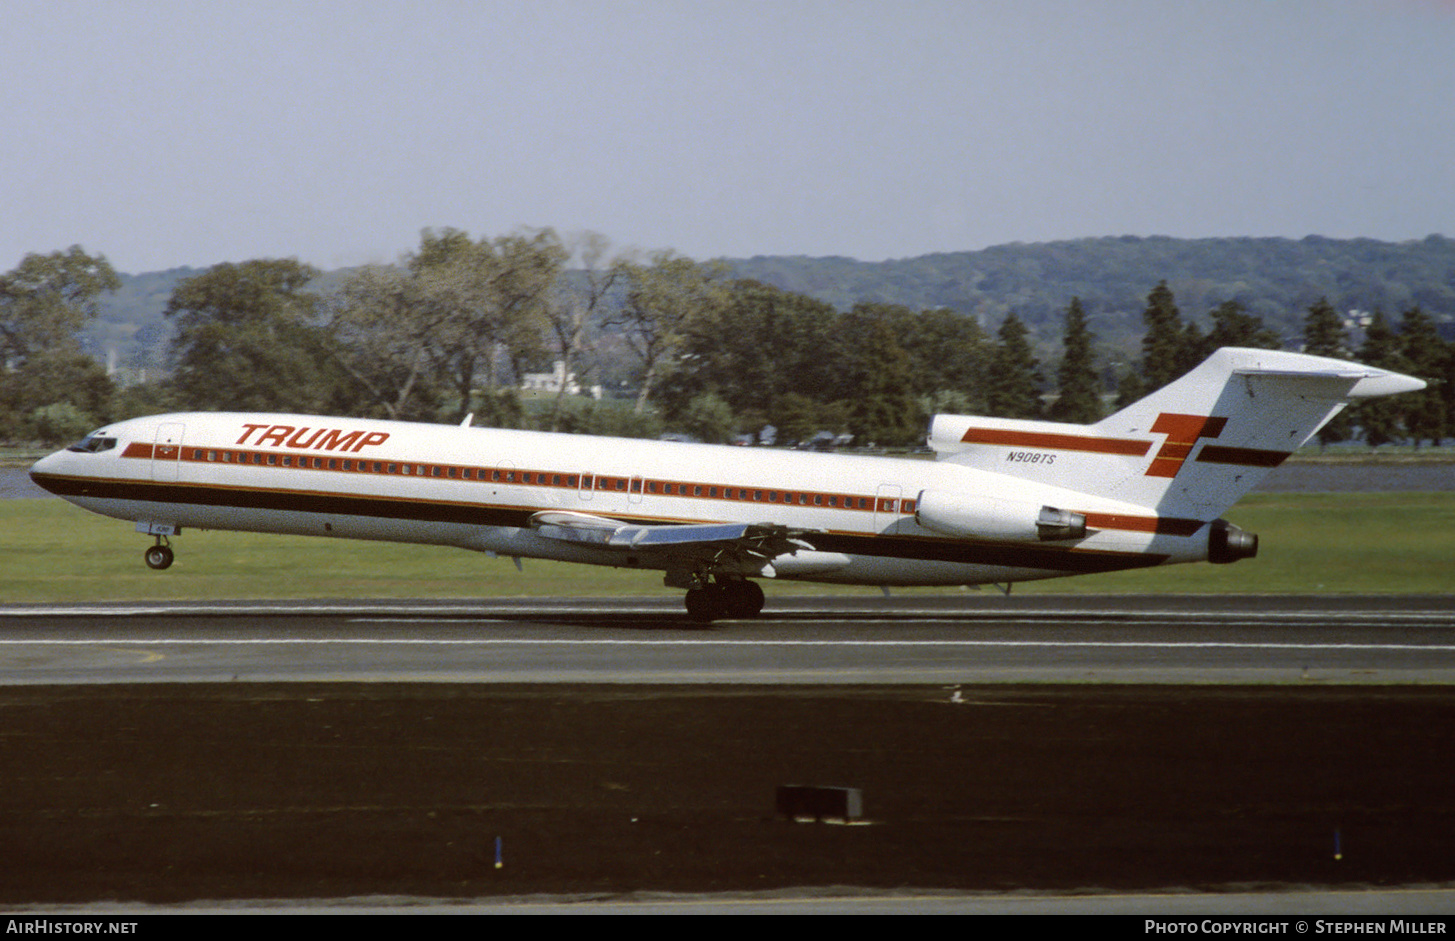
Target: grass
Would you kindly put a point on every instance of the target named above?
(1310, 543)
(1384, 454)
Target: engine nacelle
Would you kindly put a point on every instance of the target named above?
(975, 517)
(1227, 543)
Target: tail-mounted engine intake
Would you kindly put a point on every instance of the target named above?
(965, 515)
(1227, 543)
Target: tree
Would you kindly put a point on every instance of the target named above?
(1425, 356)
(65, 383)
(1324, 335)
(709, 419)
(576, 304)
(1014, 388)
(1234, 326)
(389, 337)
(1169, 349)
(760, 345)
(64, 375)
(60, 422)
(883, 409)
(663, 299)
(491, 296)
(797, 417)
(1323, 331)
(947, 351)
(47, 384)
(46, 299)
(1080, 398)
(1130, 388)
(247, 339)
(1380, 418)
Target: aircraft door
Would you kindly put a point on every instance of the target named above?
(167, 451)
(502, 477)
(886, 508)
(607, 493)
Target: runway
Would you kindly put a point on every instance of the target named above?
(841, 640)
(1044, 743)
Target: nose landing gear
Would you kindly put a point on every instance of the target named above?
(160, 555)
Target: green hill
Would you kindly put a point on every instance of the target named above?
(1275, 279)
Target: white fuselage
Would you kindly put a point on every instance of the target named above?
(478, 488)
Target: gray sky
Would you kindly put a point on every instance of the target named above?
(164, 134)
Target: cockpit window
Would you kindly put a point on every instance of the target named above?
(94, 443)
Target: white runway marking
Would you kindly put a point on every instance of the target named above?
(696, 642)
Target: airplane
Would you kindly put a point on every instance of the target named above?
(1006, 500)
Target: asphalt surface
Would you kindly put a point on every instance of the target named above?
(978, 637)
(172, 793)
(1191, 747)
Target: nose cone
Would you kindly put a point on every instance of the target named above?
(45, 471)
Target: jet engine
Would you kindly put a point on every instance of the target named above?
(1227, 543)
(975, 517)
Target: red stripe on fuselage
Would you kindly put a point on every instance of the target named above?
(1052, 441)
(281, 461)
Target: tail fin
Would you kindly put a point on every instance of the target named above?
(1192, 448)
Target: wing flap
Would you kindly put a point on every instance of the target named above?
(749, 545)
(598, 530)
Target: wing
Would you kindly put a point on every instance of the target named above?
(709, 548)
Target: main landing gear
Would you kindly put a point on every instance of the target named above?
(735, 598)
